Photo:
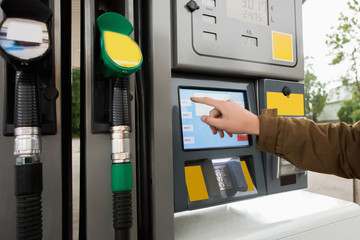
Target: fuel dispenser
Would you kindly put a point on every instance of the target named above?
(31, 122)
(122, 57)
(247, 51)
(254, 47)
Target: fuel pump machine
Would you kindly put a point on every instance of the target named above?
(249, 51)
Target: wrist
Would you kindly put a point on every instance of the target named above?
(255, 128)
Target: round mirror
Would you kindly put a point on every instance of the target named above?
(24, 39)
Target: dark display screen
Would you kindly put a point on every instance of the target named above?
(252, 11)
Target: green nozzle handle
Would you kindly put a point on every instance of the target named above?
(120, 53)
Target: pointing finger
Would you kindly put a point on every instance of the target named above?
(208, 101)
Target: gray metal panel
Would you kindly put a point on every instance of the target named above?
(229, 43)
(161, 144)
(50, 157)
(227, 55)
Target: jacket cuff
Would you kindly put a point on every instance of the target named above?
(269, 127)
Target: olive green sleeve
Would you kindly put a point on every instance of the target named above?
(326, 148)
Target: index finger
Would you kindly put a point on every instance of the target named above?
(208, 101)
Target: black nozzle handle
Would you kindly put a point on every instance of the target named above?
(27, 112)
(28, 189)
(122, 214)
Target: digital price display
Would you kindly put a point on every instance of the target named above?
(252, 11)
(197, 134)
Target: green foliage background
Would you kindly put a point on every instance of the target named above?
(344, 44)
(76, 102)
(350, 109)
(315, 94)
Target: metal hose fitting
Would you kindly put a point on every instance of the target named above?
(27, 145)
(120, 144)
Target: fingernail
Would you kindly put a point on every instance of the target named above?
(203, 118)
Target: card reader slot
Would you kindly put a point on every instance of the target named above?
(285, 168)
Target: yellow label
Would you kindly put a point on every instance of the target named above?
(195, 183)
(249, 182)
(122, 50)
(282, 46)
(289, 106)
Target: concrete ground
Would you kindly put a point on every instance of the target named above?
(318, 183)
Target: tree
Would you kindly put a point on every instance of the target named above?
(344, 43)
(315, 94)
(350, 109)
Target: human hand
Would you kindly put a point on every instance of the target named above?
(229, 117)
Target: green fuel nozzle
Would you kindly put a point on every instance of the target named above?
(120, 53)
(122, 57)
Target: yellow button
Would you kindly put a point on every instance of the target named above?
(195, 183)
(122, 50)
(282, 46)
(289, 106)
(249, 182)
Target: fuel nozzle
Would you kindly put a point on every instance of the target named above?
(122, 57)
(24, 43)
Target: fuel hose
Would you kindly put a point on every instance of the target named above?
(121, 169)
(28, 168)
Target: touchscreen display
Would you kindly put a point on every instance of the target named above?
(197, 134)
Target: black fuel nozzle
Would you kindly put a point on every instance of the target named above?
(24, 44)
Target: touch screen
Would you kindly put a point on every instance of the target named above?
(197, 134)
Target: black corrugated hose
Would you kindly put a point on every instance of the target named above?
(26, 100)
(28, 177)
(121, 102)
(121, 116)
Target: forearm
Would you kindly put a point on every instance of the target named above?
(326, 148)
